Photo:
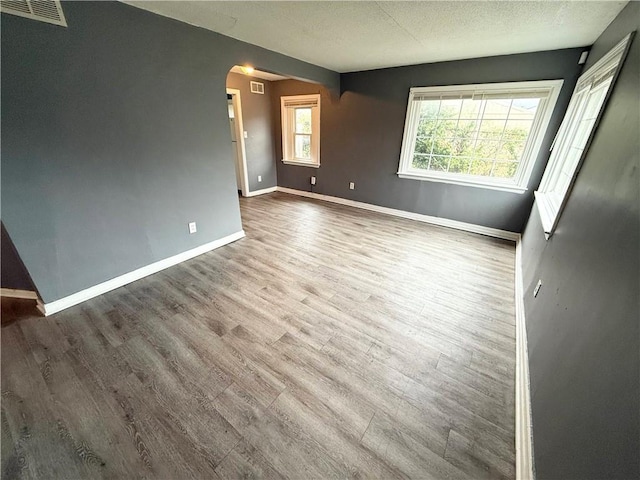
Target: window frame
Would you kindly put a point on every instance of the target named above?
(552, 196)
(517, 184)
(288, 105)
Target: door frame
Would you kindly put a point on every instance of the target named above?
(240, 147)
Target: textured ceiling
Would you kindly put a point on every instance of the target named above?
(351, 36)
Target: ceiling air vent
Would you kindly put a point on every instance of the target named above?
(257, 87)
(49, 11)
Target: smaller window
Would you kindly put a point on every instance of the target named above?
(574, 136)
(485, 135)
(301, 130)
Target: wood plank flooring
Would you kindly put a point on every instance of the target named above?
(330, 343)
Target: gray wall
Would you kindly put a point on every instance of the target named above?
(12, 272)
(361, 136)
(115, 135)
(256, 118)
(296, 176)
(583, 328)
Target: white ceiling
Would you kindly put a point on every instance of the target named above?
(363, 35)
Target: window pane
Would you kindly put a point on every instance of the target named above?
(303, 120)
(485, 136)
(429, 109)
(497, 109)
(504, 169)
(487, 149)
(466, 129)
(303, 146)
(511, 150)
(459, 165)
(471, 109)
(481, 167)
(423, 145)
(420, 161)
(439, 163)
(492, 129)
(450, 108)
(524, 108)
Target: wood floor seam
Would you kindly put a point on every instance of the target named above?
(330, 342)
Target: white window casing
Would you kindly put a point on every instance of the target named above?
(574, 136)
(543, 93)
(301, 141)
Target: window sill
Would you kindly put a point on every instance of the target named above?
(467, 182)
(301, 164)
(547, 211)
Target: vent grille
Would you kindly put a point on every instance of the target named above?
(49, 11)
(257, 87)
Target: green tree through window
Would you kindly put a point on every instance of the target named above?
(473, 136)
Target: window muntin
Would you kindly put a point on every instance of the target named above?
(481, 135)
(585, 107)
(301, 130)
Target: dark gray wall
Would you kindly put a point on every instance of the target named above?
(257, 122)
(115, 135)
(361, 135)
(583, 328)
(13, 274)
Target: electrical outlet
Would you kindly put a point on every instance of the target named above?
(352, 186)
(537, 289)
(313, 180)
(259, 178)
(192, 227)
(245, 134)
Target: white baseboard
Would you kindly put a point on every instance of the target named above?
(443, 222)
(104, 287)
(261, 192)
(524, 440)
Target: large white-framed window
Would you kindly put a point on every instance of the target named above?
(484, 135)
(301, 130)
(575, 134)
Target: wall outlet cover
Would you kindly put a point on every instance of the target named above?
(259, 178)
(537, 289)
(192, 227)
(313, 180)
(352, 185)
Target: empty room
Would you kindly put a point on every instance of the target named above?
(317, 239)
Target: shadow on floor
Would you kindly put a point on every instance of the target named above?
(14, 309)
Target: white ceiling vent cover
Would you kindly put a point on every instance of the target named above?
(49, 11)
(257, 87)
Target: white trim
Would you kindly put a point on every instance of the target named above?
(261, 192)
(13, 293)
(524, 439)
(546, 90)
(301, 164)
(288, 105)
(240, 145)
(562, 170)
(104, 287)
(443, 222)
(469, 181)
